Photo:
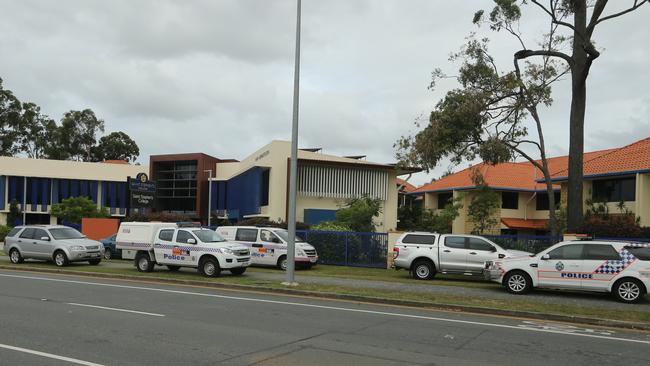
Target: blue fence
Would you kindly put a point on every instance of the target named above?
(527, 243)
(348, 248)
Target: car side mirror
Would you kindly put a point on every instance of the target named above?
(546, 257)
(501, 256)
(45, 238)
(191, 241)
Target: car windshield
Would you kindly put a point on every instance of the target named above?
(66, 233)
(208, 236)
(284, 235)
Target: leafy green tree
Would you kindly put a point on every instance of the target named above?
(414, 218)
(487, 115)
(73, 209)
(10, 108)
(576, 21)
(37, 129)
(483, 206)
(77, 135)
(358, 214)
(116, 146)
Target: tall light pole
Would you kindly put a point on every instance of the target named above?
(293, 170)
(209, 171)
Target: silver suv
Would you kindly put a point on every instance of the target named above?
(61, 244)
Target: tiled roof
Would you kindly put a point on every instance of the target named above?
(534, 224)
(521, 176)
(627, 159)
(406, 186)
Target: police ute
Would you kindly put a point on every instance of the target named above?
(180, 245)
(268, 245)
(620, 268)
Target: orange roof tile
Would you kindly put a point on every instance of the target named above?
(534, 224)
(519, 176)
(406, 186)
(627, 159)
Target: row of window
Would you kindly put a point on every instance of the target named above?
(509, 200)
(596, 252)
(456, 242)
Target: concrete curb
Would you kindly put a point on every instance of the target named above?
(356, 298)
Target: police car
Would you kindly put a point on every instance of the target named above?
(180, 245)
(621, 268)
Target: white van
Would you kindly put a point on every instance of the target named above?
(151, 243)
(268, 245)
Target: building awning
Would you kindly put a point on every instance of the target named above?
(523, 224)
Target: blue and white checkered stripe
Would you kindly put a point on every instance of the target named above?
(616, 266)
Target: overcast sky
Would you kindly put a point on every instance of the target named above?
(216, 76)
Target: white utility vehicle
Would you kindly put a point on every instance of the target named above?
(177, 245)
(424, 254)
(268, 245)
(621, 268)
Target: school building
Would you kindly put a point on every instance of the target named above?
(36, 184)
(610, 176)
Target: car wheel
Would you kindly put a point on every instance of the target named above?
(209, 267)
(60, 259)
(423, 270)
(108, 254)
(173, 268)
(94, 262)
(15, 257)
(238, 271)
(517, 283)
(282, 263)
(143, 263)
(628, 290)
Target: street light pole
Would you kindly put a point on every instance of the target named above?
(293, 170)
(209, 195)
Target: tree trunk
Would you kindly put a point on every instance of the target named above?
(579, 72)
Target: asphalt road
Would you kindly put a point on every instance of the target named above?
(68, 320)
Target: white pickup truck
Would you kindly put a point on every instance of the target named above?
(424, 254)
(176, 246)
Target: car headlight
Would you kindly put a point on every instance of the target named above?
(301, 253)
(226, 250)
(77, 248)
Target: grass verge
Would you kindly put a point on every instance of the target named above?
(514, 304)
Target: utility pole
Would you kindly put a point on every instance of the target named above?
(293, 170)
(209, 171)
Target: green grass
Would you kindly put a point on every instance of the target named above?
(516, 303)
(389, 275)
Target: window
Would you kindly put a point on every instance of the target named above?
(542, 201)
(183, 236)
(268, 236)
(264, 200)
(571, 251)
(601, 252)
(455, 242)
(509, 232)
(614, 190)
(444, 199)
(13, 232)
(510, 200)
(27, 233)
(166, 235)
(642, 253)
(480, 244)
(39, 233)
(246, 235)
(419, 239)
(66, 233)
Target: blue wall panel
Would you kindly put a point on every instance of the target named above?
(16, 188)
(55, 191)
(113, 188)
(65, 188)
(83, 187)
(315, 216)
(93, 190)
(34, 193)
(105, 194)
(45, 193)
(122, 189)
(74, 188)
(3, 187)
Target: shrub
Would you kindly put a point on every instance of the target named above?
(4, 230)
(73, 209)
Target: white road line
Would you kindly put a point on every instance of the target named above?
(49, 355)
(115, 309)
(399, 315)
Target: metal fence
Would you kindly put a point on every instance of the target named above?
(348, 248)
(527, 243)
